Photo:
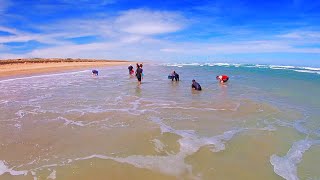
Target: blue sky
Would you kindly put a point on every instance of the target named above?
(241, 31)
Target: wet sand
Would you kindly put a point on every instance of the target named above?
(30, 68)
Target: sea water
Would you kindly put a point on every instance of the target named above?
(262, 124)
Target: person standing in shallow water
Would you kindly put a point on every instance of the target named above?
(139, 72)
(195, 85)
(142, 70)
(131, 71)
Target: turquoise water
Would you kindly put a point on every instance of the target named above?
(265, 118)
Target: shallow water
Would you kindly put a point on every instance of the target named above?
(263, 124)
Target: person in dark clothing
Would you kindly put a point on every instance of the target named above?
(139, 73)
(95, 72)
(173, 76)
(196, 86)
(131, 71)
(176, 76)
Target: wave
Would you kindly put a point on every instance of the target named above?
(286, 166)
(4, 169)
(313, 70)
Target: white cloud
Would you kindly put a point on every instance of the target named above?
(247, 47)
(132, 35)
(86, 50)
(301, 35)
(8, 30)
(11, 56)
(146, 22)
(107, 50)
(148, 48)
(88, 2)
(138, 22)
(129, 27)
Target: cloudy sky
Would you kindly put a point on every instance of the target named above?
(240, 31)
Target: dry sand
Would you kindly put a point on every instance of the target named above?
(21, 69)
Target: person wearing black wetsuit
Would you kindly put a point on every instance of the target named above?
(196, 86)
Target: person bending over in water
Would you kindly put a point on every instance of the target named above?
(95, 72)
(175, 76)
(222, 78)
(139, 73)
(196, 86)
(131, 71)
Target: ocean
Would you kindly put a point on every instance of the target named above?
(263, 124)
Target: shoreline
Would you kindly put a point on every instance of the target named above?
(20, 68)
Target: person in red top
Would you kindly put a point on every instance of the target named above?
(222, 78)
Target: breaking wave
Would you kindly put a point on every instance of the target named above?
(313, 70)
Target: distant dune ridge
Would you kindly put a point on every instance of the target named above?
(22, 67)
(53, 60)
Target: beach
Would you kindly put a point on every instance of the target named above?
(30, 67)
(261, 124)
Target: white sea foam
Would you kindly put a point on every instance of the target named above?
(119, 125)
(4, 169)
(286, 166)
(52, 175)
(183, 64)
(267, 128)
(311, 68)
(17, 125)
(3, 101)
(189, 142)
(76, 123)
(20, 113)
(258, 66)
(221, 64)
(34, 175)
(191, 108)
(264, 66)
(281, 67)
(159, 146)
(298, 125)
(306, 71)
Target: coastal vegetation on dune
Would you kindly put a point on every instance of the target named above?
(52, 60)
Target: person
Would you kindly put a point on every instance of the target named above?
(139, 73)
(137, 67)
(95, 72)
(131, 71)
(222, 78)
(141, 65)
(174, 75)
(195, 85)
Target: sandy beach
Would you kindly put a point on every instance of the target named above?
(29, 67)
